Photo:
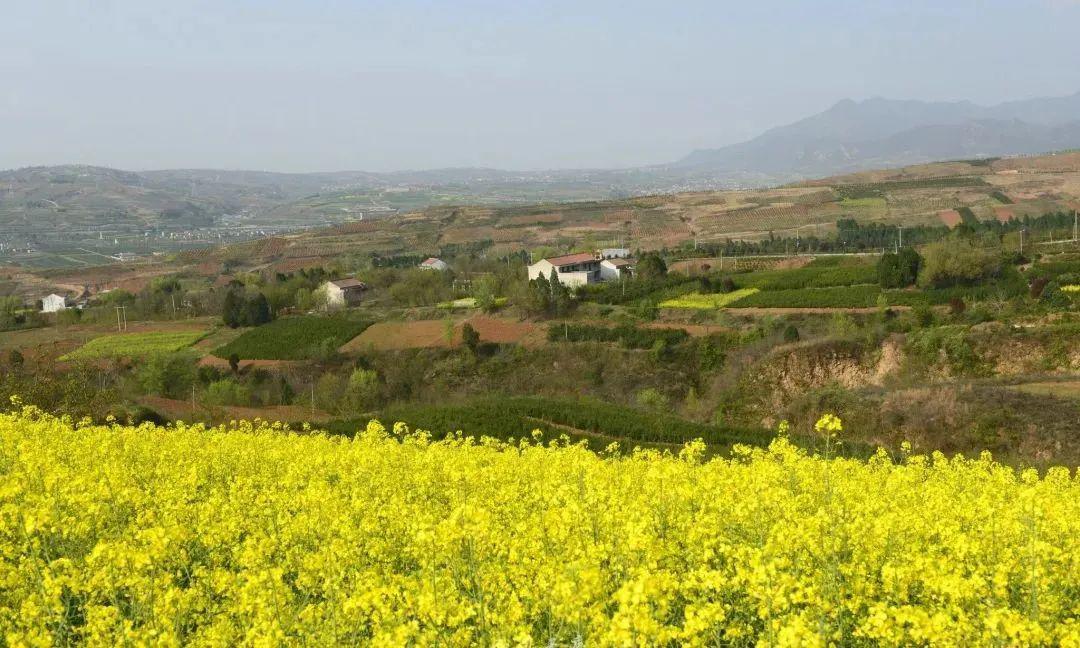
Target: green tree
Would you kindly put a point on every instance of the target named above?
(889, 272)
(257, 310)
(910, 263)
(470, 337)
(168, 374)
(232, 309)
(956, 261)
(537, 299)
(651, 266)
(561, 301)
(362, 391)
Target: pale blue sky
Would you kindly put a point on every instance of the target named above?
(328, 85)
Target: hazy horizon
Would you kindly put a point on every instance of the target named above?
(383, 86)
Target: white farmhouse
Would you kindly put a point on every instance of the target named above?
(344, 292)
(53, 303)
(614, 253)
(434, 264)
(613, 269)
(573, 269)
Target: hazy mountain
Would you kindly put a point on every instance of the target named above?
(884, 132)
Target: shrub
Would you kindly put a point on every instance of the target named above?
(168, 374)
(629, 336)
(791, 334)
(470, 337)
(953, 262)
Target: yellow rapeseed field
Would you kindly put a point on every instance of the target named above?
(710, 301)
(252, 535)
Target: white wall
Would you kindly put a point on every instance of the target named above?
(541, 267)
(52, 304)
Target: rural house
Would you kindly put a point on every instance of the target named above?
(344, 292)
(53, 303)
(614, 253)
(573, 269)
(432, 263)
(615, 268)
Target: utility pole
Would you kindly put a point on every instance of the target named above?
(1022, 242)
(1075, 231)
(121, 310)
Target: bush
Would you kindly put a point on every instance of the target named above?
(627, 335)
(954, 262)
(791, 334)
(168, 374)
(228, 392)
(470, 337)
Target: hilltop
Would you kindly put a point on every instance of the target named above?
(929, 194)
(880, 132)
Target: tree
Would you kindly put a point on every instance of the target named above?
(234, 362)
(232, 309)
(889, 272)
(470, 337)
(258, 310)
(910, 263)
(363, 389)
(484, 291)
(15, 359)
(651, 266)
(538, 296)
(168, 374)
(791, 334)
(956, 261)
(560, 296)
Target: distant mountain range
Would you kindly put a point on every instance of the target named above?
(849, 136)
(884, 133)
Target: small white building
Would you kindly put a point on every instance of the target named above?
(344, 292)
(572, 269)
(616, 268)
(614, 253)
(53, 303)
(432, 263)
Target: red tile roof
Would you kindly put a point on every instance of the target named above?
(571, 259)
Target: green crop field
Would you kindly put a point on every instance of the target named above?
(809, 277)
(134, 345)
(858, 296)
(293, 338)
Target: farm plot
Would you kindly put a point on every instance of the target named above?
(293, 338)
(708, 302)
(389, 336)
(858, 296)
(134, 345)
